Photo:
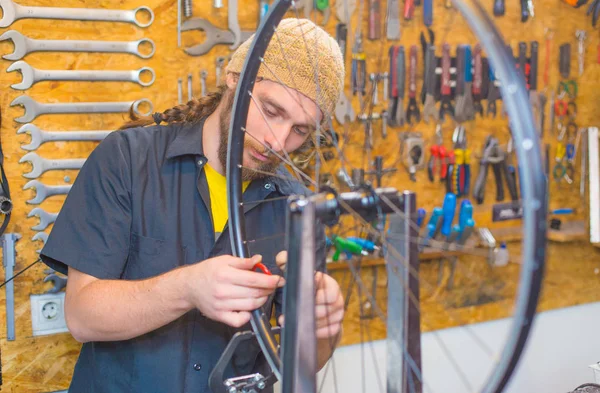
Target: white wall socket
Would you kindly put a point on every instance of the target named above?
(48, 314)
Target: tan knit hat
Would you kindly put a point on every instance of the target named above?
(297, 49)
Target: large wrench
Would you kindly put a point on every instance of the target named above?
(43, 191)
(24, 45)
(233, 23)
(45, 218)
(38, 137)
(214, 36)
(34, 109)
(43, 236)
(33, 75)
(40, 165)
(12, 11)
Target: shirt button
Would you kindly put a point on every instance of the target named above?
(197, 366)
(268, 186)
(200, 162)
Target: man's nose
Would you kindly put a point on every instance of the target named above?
(277, 135)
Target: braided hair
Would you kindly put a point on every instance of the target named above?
(191, 112)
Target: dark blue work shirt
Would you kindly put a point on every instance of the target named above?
(140, 207)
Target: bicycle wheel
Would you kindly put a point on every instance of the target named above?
(348, 153)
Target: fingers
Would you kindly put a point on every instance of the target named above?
(244, 263)
(328, 331)
(281, 259)
(240, 292)
(235, 319)
(229, 305)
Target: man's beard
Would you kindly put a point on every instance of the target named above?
(263, 169)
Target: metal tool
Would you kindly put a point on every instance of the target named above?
(524, 11)
(393, 31)
(233, 23)
(46, 219)
(341, 37)
(33, 109)
(494, 155)
(468, 106)
(564, 63)
(58, 282)
(493, 94)
(397, 115)
(581, 36)
(344, 10)
(374, 20)
(537, 101)
(429, 109)
(32, 75)
(218, 4)
(477, 80)
(187, 8)
(12, 11)
(219, 62)
(438, 156)
(499, 8)
(41, 165)
(203, 76)
(180, 91)
(8, 260)
(445, 88)
(461, 112)
(39, 137)
(343, 109)
(25, 45)
(43, 236)
(409, 9)
(413, 114)
(213, 36)
(189, 87)
(358, 75)
(43, 191)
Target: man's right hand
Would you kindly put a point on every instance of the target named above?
(226, 289)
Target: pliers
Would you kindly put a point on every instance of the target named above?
(494, 155)
(438, 157)
(461, 177)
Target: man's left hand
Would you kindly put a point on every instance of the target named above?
(329, 302)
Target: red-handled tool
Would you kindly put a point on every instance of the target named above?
(262, 268)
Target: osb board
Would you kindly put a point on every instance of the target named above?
(45, 363)
(480, 293)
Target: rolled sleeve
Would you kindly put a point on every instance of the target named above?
(92, 230)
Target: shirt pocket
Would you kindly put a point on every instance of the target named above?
(149, 257)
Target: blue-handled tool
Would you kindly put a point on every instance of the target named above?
(428, 12)
(466, 232)
(468, 64)
(364, 243)
(434, 222)
(448, 210)
(421, 213)
(466, 212)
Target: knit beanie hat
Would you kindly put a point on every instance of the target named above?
(303, 57)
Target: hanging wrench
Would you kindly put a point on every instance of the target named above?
(34, 109)
(24, 45)
(203, 76)
(234, 24)
(39, 137)
(429, 109)
(40, 165)
(43, 191)
(214, 36)
(32, 75)
(12, 12)
(43, 236)
(58, 282)
(45, 218)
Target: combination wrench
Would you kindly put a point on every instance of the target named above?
(39, 137)
(214, 36)
(45, 218)
(25, 45)
(32, 75)
(40, 165)
(43, 236)
(33, 109)
(43, 191)
(12, 11)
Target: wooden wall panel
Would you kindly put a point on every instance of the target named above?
(41, 364)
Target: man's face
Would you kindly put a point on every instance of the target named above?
(280, 120)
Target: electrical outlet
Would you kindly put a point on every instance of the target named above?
(47, 314)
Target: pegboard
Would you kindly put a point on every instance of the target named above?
(44, 364)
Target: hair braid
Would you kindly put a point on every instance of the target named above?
(190, 112)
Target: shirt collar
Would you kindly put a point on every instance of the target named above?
(188, 140)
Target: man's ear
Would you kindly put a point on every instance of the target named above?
(232, 80)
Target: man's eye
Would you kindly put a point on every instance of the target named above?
(300, 131)
(269, 112)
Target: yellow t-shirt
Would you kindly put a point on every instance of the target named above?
(217, 188)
